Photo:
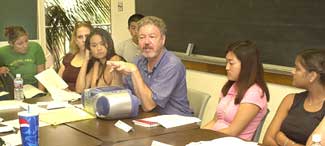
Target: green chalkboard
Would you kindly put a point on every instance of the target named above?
(19, 12)
(281, 28)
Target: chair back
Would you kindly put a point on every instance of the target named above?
(7, 85)
(258, 131)
(198, 101)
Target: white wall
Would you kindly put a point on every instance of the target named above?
(119, 19)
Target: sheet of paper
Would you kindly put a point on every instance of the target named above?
(169, 121)
(12, 139)
(15, 123)
(30, 91)
(2, 93)
(157, 143)
(33, 108)
(6, 129)
(63, 95)
(10, 104)
(50, 79)
(64, 115)
(224, 141)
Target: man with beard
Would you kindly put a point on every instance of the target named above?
(158, 76)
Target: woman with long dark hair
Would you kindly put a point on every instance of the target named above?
(243, 103)
(94, 72)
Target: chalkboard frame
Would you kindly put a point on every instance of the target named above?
(20, 13)
(278, 50)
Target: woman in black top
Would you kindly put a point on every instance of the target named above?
(301, 115)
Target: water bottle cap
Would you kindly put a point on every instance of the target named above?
(18, 75)
(316, 138)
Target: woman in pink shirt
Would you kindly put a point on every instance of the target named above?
(243, 103)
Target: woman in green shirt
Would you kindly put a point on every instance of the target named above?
(22, 56)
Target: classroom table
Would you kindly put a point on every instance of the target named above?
(103, 132)
(60, 135)
(107, 132)
(179, 138)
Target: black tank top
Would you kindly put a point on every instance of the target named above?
(299, 123)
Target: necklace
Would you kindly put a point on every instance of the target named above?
(317, 104)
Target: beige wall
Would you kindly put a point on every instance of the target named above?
(212, 84)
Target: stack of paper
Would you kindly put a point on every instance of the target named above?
(145, 123)
(64, 115)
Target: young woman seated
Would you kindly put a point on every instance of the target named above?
(301, 115)
(94, 72)
(243, 103)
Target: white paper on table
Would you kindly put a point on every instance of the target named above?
(12, 139)
(33, 108)
(6, 129)
(58, 104)
(15, 123)
(30, 91)
(157, 143)
(2, 93)
(10, 104)
(170, 121)
(224, 141)
(50, 79)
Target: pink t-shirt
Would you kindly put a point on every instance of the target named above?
(226, 110)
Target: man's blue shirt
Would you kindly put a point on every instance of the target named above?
(167, 82)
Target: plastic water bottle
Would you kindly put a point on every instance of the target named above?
(316, 139)
(18, 87)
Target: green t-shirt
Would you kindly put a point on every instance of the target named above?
(25, 64)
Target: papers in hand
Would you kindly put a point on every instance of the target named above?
(31, 91)
(50, 79)
(63, 95)
(170, 121)
(56, 85)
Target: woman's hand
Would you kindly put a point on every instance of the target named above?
(4, 70)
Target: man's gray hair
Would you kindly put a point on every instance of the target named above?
(153, 20)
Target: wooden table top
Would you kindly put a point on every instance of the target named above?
(106, 131)
(178, 138)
